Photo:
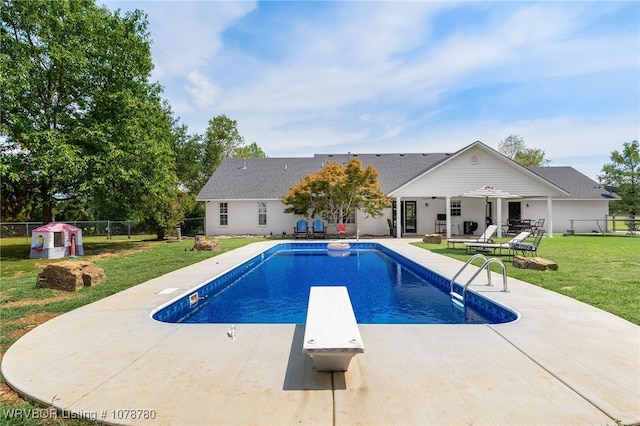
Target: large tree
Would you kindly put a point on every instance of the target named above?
(79, 117)
(221, 140)
(336, 191)
(624, 173)
(513, 146)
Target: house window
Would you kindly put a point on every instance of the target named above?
(345, 219)
(58, 240)
(262, 214)
(224, 214)
(456, 208)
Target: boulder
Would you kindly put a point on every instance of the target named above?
(203, 244)
(535, 263)
(432, 238)
(70, 275)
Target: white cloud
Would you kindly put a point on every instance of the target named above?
(187, 35)
(204, 94)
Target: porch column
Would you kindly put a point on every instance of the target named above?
(398, 218)
(448, 210)
(499, 217)
(550, 217)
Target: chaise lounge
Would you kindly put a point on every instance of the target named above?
(497, 248)
(532, 248)
(484, 238)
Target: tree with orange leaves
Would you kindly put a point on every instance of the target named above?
(336, 191)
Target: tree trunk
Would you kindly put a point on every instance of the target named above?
(47, 204)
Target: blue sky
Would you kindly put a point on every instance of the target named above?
(305, 77)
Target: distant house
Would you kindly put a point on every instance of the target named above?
(243, 195)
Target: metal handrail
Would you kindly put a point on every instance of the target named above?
(462, 299)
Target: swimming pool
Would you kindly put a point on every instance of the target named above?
(384, 288)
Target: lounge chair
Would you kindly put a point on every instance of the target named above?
(532, 248)
(319, 230)
(301, 228)
(497, 248)
(484, 238)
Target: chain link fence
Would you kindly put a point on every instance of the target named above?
(189, 227)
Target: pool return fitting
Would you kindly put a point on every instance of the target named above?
(460, 300)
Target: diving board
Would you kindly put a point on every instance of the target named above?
(331, 336)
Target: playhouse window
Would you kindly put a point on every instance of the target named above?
(58, 240)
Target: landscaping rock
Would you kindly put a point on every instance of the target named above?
(535, 263)
(70, 275)
(203, 244)
(432, 239)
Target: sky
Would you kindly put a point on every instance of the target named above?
(317, 77)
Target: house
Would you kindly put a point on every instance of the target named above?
(428, 191)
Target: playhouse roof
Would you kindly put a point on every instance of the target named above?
(56, 227)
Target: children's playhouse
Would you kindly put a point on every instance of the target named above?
(55, 240)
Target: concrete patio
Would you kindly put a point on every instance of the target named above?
(562, 363)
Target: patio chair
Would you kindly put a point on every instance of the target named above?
(532, 248)
(484, 238)
(319, 230)
(497, 248)
(342, 229)
(301, 228)
(539, 224)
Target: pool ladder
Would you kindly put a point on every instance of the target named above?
(460, 300)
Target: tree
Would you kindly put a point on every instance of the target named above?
(624, 173)
(513, 147)
(79, 117)
(336, 191)
(250, 151)
(531, 157)
(221, 140)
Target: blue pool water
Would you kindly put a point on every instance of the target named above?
(384, 288)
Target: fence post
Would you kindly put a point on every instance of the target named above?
(108, 229)
(129, 229)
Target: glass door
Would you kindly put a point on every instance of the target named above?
(410, 217)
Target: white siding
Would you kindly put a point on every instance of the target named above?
(243, 218)
(473, 169)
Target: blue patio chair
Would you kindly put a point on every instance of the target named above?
(319, 229)
(301, 228)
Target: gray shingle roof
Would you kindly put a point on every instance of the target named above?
(574, 182)
(271, 178)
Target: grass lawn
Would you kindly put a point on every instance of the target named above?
(601, 271)
(126, 262)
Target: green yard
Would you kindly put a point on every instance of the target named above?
(603, 271)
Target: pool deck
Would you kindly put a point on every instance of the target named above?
(562, 363)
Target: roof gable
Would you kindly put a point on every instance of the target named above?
(474, 166)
